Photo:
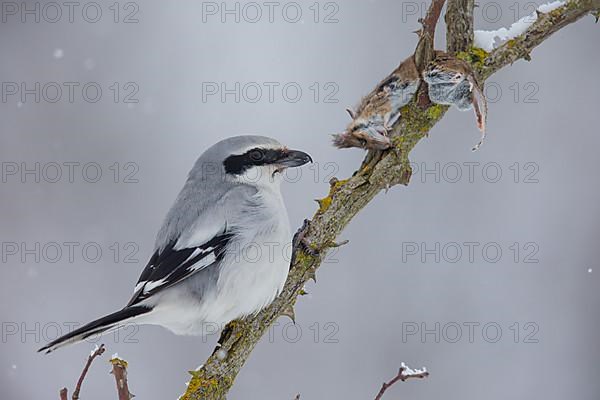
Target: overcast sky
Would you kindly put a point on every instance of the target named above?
(484, 269)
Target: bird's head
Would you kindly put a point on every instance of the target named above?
(253, 160)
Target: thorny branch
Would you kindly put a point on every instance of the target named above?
(379, 171)
(403, 374)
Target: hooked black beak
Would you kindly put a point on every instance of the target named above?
(294, 158)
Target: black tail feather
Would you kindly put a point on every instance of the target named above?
(98, 326)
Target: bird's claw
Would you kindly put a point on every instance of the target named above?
(299, 242)
(310, 250)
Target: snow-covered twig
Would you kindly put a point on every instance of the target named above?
(98, 350)
(404, 373)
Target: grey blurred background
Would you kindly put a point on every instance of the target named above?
(516, 318)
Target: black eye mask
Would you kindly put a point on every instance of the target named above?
(238, 164)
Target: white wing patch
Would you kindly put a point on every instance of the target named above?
(139, 286)
(206, 261)
(171, 265)
(150, 285)
(197, 252)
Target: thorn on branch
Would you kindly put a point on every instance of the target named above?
(288, 311)
(404, 373)
(334, 244)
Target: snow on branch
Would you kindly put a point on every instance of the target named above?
(544, 25)
(489, 40)
(403, 374)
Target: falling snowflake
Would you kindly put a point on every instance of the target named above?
(58, 53)
(89, 64)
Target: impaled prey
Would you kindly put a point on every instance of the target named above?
(380, 109)
(450, 81)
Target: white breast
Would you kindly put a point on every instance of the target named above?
(255, 269)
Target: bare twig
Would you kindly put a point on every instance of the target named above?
(459, 25)
(404, 373)
(119, 370)
(424, 50)
(346, 198)
(64, 393)
(95, 353)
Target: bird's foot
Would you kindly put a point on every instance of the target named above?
(300, 243)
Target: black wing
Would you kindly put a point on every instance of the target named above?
(170, 266)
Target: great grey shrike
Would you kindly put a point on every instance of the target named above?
(200, 274)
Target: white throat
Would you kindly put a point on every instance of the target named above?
(262, 177)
